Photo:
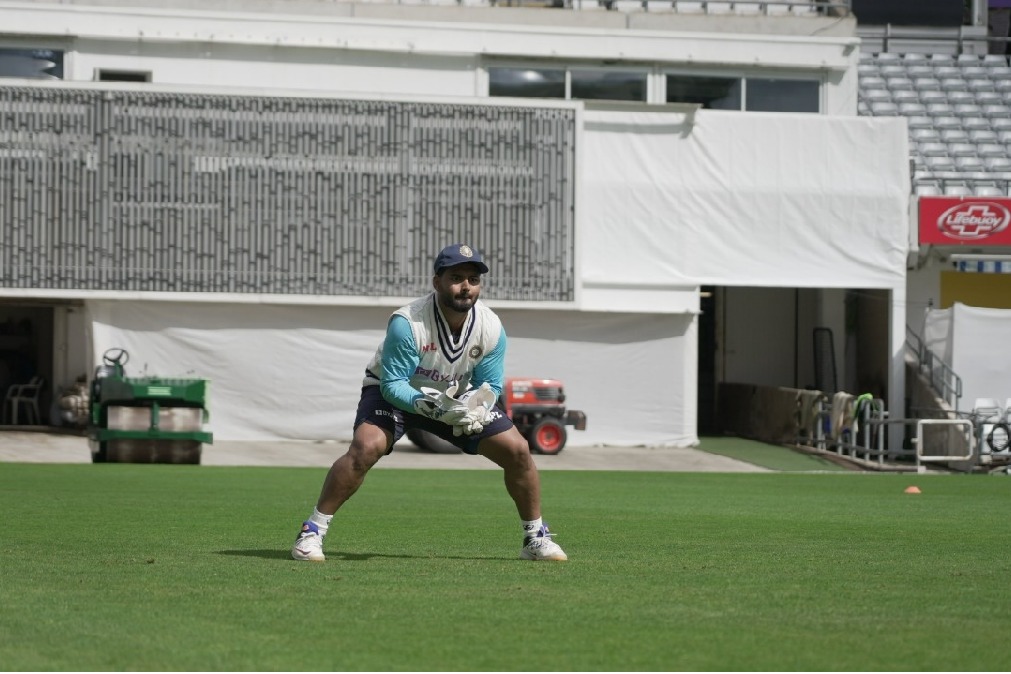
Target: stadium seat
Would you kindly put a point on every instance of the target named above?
(902, 83)
(976, 73)
(718, 7)
(970, 123)
(923, 84)
(884, 109)
(910, 108)
(927, 188)
(954, 84)
(872, 95)
(939, 163)
(979, 136)
(1003, 85)
(957, 189)
(999, 124)
(919, 70)
(627, 5)
(1004, 136)
(992, 150)
(995, 61)
(929, 149)
(989, 98)
(995, 110)
(947, 122)
(920, 122)
(981, 85)
(968, 163)
(892, 70)
(988, 191)
(997, 164)
(928, 96)
(956, 97)
(962, 150)
(956, 135)
(942, 59)
(943, 109)
(966, 60)
(929, 135)
(940, 72)
(967, 110)
(905, 96)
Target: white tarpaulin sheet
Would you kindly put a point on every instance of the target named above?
(977, 340)
(295, 371)
(754, 199)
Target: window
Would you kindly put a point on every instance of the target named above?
(585, 83)
(36, 64)
(718, 93)
(526, 82)
(611, 85)
(103, 75)
(749, 93)
(766, 95)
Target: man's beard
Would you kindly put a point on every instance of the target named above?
(456, 303)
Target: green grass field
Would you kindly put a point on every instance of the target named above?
(151, 567)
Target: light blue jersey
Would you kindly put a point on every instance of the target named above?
(420, 350)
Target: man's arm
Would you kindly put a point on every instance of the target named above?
(400, 360)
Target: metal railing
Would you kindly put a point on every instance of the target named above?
(722, 7)
(942, 378)
(959, 37)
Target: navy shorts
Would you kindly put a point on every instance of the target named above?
(375, 409)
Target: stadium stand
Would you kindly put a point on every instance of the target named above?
(958, 109)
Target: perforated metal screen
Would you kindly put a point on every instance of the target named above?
(139, 191)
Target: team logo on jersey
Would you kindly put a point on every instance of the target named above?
(475, 352)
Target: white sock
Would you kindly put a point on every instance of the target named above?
(321, 521)
(532, 527)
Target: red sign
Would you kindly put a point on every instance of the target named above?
(969, 221)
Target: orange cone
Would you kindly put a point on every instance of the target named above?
(913, 489)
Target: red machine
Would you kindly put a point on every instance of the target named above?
(536, 407)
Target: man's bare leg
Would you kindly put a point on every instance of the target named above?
(343, 479)
(510, 451)
(348, 472)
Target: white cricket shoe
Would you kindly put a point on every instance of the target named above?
(540, 547)
(309, 544)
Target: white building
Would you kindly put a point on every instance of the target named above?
(707, 241)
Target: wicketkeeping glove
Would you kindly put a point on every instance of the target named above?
(441, 405)
(479, 402)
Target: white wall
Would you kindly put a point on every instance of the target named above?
(281, 67)
(331, 50)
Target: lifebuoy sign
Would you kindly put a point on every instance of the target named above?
(947, 221)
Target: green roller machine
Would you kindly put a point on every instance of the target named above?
(145, 419)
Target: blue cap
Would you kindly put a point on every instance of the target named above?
(459, 253)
